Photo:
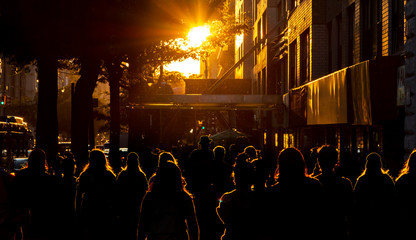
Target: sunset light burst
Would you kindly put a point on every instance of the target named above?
(196, 37)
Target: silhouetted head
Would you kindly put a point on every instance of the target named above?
(165, 157)
(327, 157)
(68, 165)
(132, 161)
(204, 141)
(251, 151)
(290, 165)
(98, 161)
(243, 172)
(168, 178)
(373, 163)
(36, 162)
(219, 152)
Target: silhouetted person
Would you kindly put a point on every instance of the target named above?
(132, 186)
(200, 177)
(237, 208)
(262, 171)
(374, 193)
(231, 154)
(251, 152)
(289, 208)
(406, 193)
(167, 210)
(34, 191)
(199, 167)
(337, 198)
(67, 192)
(222, 172)
(96, 197)
(311, 163)
(165, 157)
(10, 219)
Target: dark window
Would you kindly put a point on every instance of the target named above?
(329, 27)
(379, 28)
(367, 35)
(292, 64)
(371, 29)
(290, 5)
(264, 81)
(259, 33)
(283, 75)
(255, 51)
(263, 26)
(339, 45)
(258, 90)
(351, 21)
(397, 25)
(304, 57)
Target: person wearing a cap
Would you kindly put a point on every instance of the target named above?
(199, 174)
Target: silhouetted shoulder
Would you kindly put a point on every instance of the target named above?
(406, 179)
(227, 197)
(313, 182)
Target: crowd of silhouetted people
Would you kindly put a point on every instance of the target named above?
(224, 193)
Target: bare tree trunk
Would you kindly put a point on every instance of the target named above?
(135, 117)
(115, 74)
(81, 101)
(47, 115)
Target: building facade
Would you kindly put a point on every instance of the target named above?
(20, 84)
(339, 66)
(344, 71)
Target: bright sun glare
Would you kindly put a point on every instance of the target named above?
(195, 38)
(198, 35)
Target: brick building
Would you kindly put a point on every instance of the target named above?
(344, 82)
(244, 42)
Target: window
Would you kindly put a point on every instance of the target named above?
(264, 26)
(339, 45)
(304, 56)
(264, 81)
(255, 51)
(292, 65)
(259, 33)
(329, 28)
(367, 36)
(397, 25)
(288, 140)
(350, 46)
(371, 29)
(291, 4)
(258, 89)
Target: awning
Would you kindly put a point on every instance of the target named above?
(360, 90)
(327, 100)
(362, 94)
